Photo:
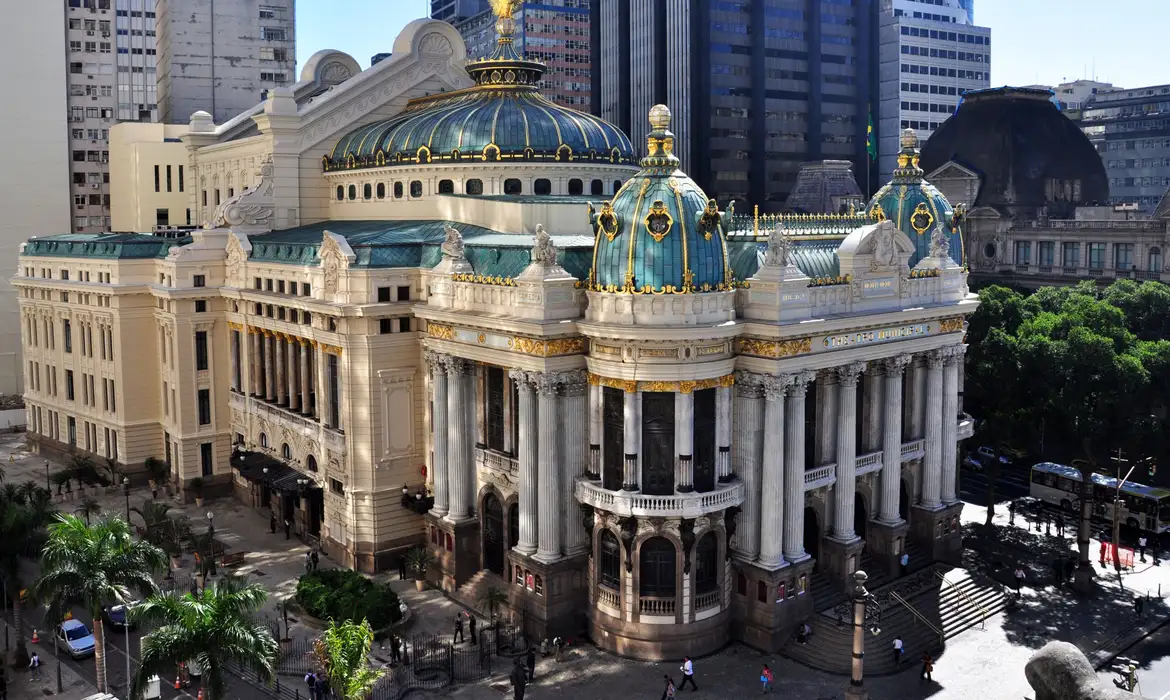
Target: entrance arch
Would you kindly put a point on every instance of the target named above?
(493, 534)
(812, 536)
(860, 516)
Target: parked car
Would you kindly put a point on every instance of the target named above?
(970, 462)
(1012, 452)
(116, 617)
(985, 453)
(75, 638)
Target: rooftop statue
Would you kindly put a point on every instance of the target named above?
(453, 245)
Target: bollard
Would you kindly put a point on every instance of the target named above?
(278, 685)
(298, 693)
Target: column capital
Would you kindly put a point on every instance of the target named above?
(896, 365)
(436, 360)
(773, 387)
(847, 374)
(936, 358)
(954, 353)
(456, 366)
(547, 383)
(800, 382)
(573, 381)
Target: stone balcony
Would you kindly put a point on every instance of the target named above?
(302, 425)
(678, 505)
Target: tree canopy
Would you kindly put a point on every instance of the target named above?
(1050, 370)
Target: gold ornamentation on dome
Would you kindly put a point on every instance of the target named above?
(607, 221)
(658, 221)
(505, 8)
(774, 348)
(709, 221)
(441, 332)
(878, 214)
(921, 219)
(660, 117)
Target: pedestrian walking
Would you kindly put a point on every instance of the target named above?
(766, 679)
(1142, 542)
(471, 626)
(308, 562)
(904, 561)
(320, 688)
(1019, 577)
(898, 649)
(272, 523)
(531, 662)
(688, 671)
(1011, 512)
(1104, 548)
(518, 679)
(1139, 605)
(927, 667)
(1060, 525)
(668, 689)
(559, 645)
(316, 560)
(311, 682)
(1058, 572)
(395, 648)
(458, 636)
(402, 567)
(287, 528)
(34, 667)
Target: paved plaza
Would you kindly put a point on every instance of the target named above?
(980, 663)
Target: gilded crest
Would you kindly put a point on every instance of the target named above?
(709, 220)
(658, 221)
(921, 219)
(607, 221)
(877, 212)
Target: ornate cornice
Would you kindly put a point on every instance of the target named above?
(547, 348)
(760, 347)
(436, 330)
(685, 386)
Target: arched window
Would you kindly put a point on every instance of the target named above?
(611, 561)
(513, 186)
(416, 188)
(473, 187)
(352, 192)
(657, 568)
(617, 185)
(381, 190)
(397, 190)
(542, 186)
(311, 463)
(576, 187)
(263, 441)
(1155, 259)
(741, 583)
(340, 193)
(367, 191)
(285, 451)
(761, 591)
(707, 564)
(446, 187)
(597, 187)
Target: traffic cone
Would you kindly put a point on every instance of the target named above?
(36, 638)
(178, 685)
(200, 695)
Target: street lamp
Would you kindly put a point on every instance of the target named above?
(867, 614)
(211, 540)
(126, 490)
(48, 486)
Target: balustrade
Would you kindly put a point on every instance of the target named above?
(707, 600)
(685, 505)
(656, 606)
(608, 596)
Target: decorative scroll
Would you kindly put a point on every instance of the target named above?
(951, 325)
(775, 348)
(441, 332)
(680, 387)
(547, 348)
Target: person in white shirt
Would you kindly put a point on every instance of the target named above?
(1142, 541)
(1019, 575)
(688, 670)
(897, 650)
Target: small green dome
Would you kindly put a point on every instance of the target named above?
(916, 206)
(660, 234)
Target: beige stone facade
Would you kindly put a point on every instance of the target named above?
(148, 177)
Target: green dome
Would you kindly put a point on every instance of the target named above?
(503, 118)
(660, 234)
(916, 206)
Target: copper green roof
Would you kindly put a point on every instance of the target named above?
(121, 246)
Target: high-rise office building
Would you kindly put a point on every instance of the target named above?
(1129, 130)
(554, 32)
(931, 54)
(757, 87)
(455, 11)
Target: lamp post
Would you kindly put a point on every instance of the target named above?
(302, 487)
(211, 540)
(866, 616)
(48, 486)
(126, 490)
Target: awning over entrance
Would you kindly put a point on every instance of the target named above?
(279, 477)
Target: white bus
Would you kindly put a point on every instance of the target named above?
(1141, 507)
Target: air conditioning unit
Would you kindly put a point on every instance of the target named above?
(96, 186)
(89, 32)
(106, 35)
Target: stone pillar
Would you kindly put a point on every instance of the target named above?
(950, 418)
(794, 469)
(324, 396)
(632, 430)
(891, 477)
(305, 385)
(291, 371)
(723, 433)
(595, 431)
(237, 371)
(438, 365)
(526, 455)
(256, 361)
(574, 405)
(269, 367)
(772, 520)
(459, 445)
(281, 371)
(932, 462)
(915, 399)
(747, 455)
(684, 442)
(825, 448)
(479, 382)
(549, 480)
(871, 433)
(846, 488)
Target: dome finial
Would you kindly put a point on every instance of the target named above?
(660, 117)
(909, 140)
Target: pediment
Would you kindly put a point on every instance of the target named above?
(952, 170)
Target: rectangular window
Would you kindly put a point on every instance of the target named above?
(335, 486)
(404, 324)
(1096, 256)
(67, 332)
(383, 294)
(385, 325)
(404, 293)
(1123, 256)
(200, 306)
(69, 384)
(180, 178)
(162, 217)
(72, 424)
(198, 280)
(156, 188)
(205, 407)
(306, 289)
(1046, 253)
(334, 404)
(1070, 254)
(257, 283)
(206, 463)
(1023, 252)
(168, 178)
(200, 350)
(494, 407)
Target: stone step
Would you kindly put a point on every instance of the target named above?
(468, 595)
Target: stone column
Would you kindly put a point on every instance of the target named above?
(794, 469)
(871, 434)
(891, 476)
(932, 462)
(438, 365)
(281, 371)
(595, 431)
(324, 396)
(269, 367)
(914, 409)
(684, 441)
(459, 445)
(291, 371)
(574, 405)
(479, 381)
(632, 433)
(772, 520)
(723, 433)
(526, 455)
(548, 548)
(237, 371)
(256, 360)
(305, 385)
(846, 488)
(747, 456)
(950, 418)
(825, 448)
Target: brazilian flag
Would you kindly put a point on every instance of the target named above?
(871, 139)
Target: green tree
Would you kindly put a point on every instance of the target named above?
(211, 628)
(24, 516)
(92, 566)
(344, 654)
(88, 508)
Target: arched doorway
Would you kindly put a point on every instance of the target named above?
(513, 525)
(904, 501)
(860, 516)
(493, 534)
(812, 536)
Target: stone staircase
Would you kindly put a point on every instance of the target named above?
(949, 607)
(469, 594)
(829, 594)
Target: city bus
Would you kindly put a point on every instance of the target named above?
(1141, 507)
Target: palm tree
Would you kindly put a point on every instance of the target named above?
(88, 507)
(95, 565)
(211, 628)
(344, 654)
(23, 520)
(491, 600)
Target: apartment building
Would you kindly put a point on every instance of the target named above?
(1131, 131)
